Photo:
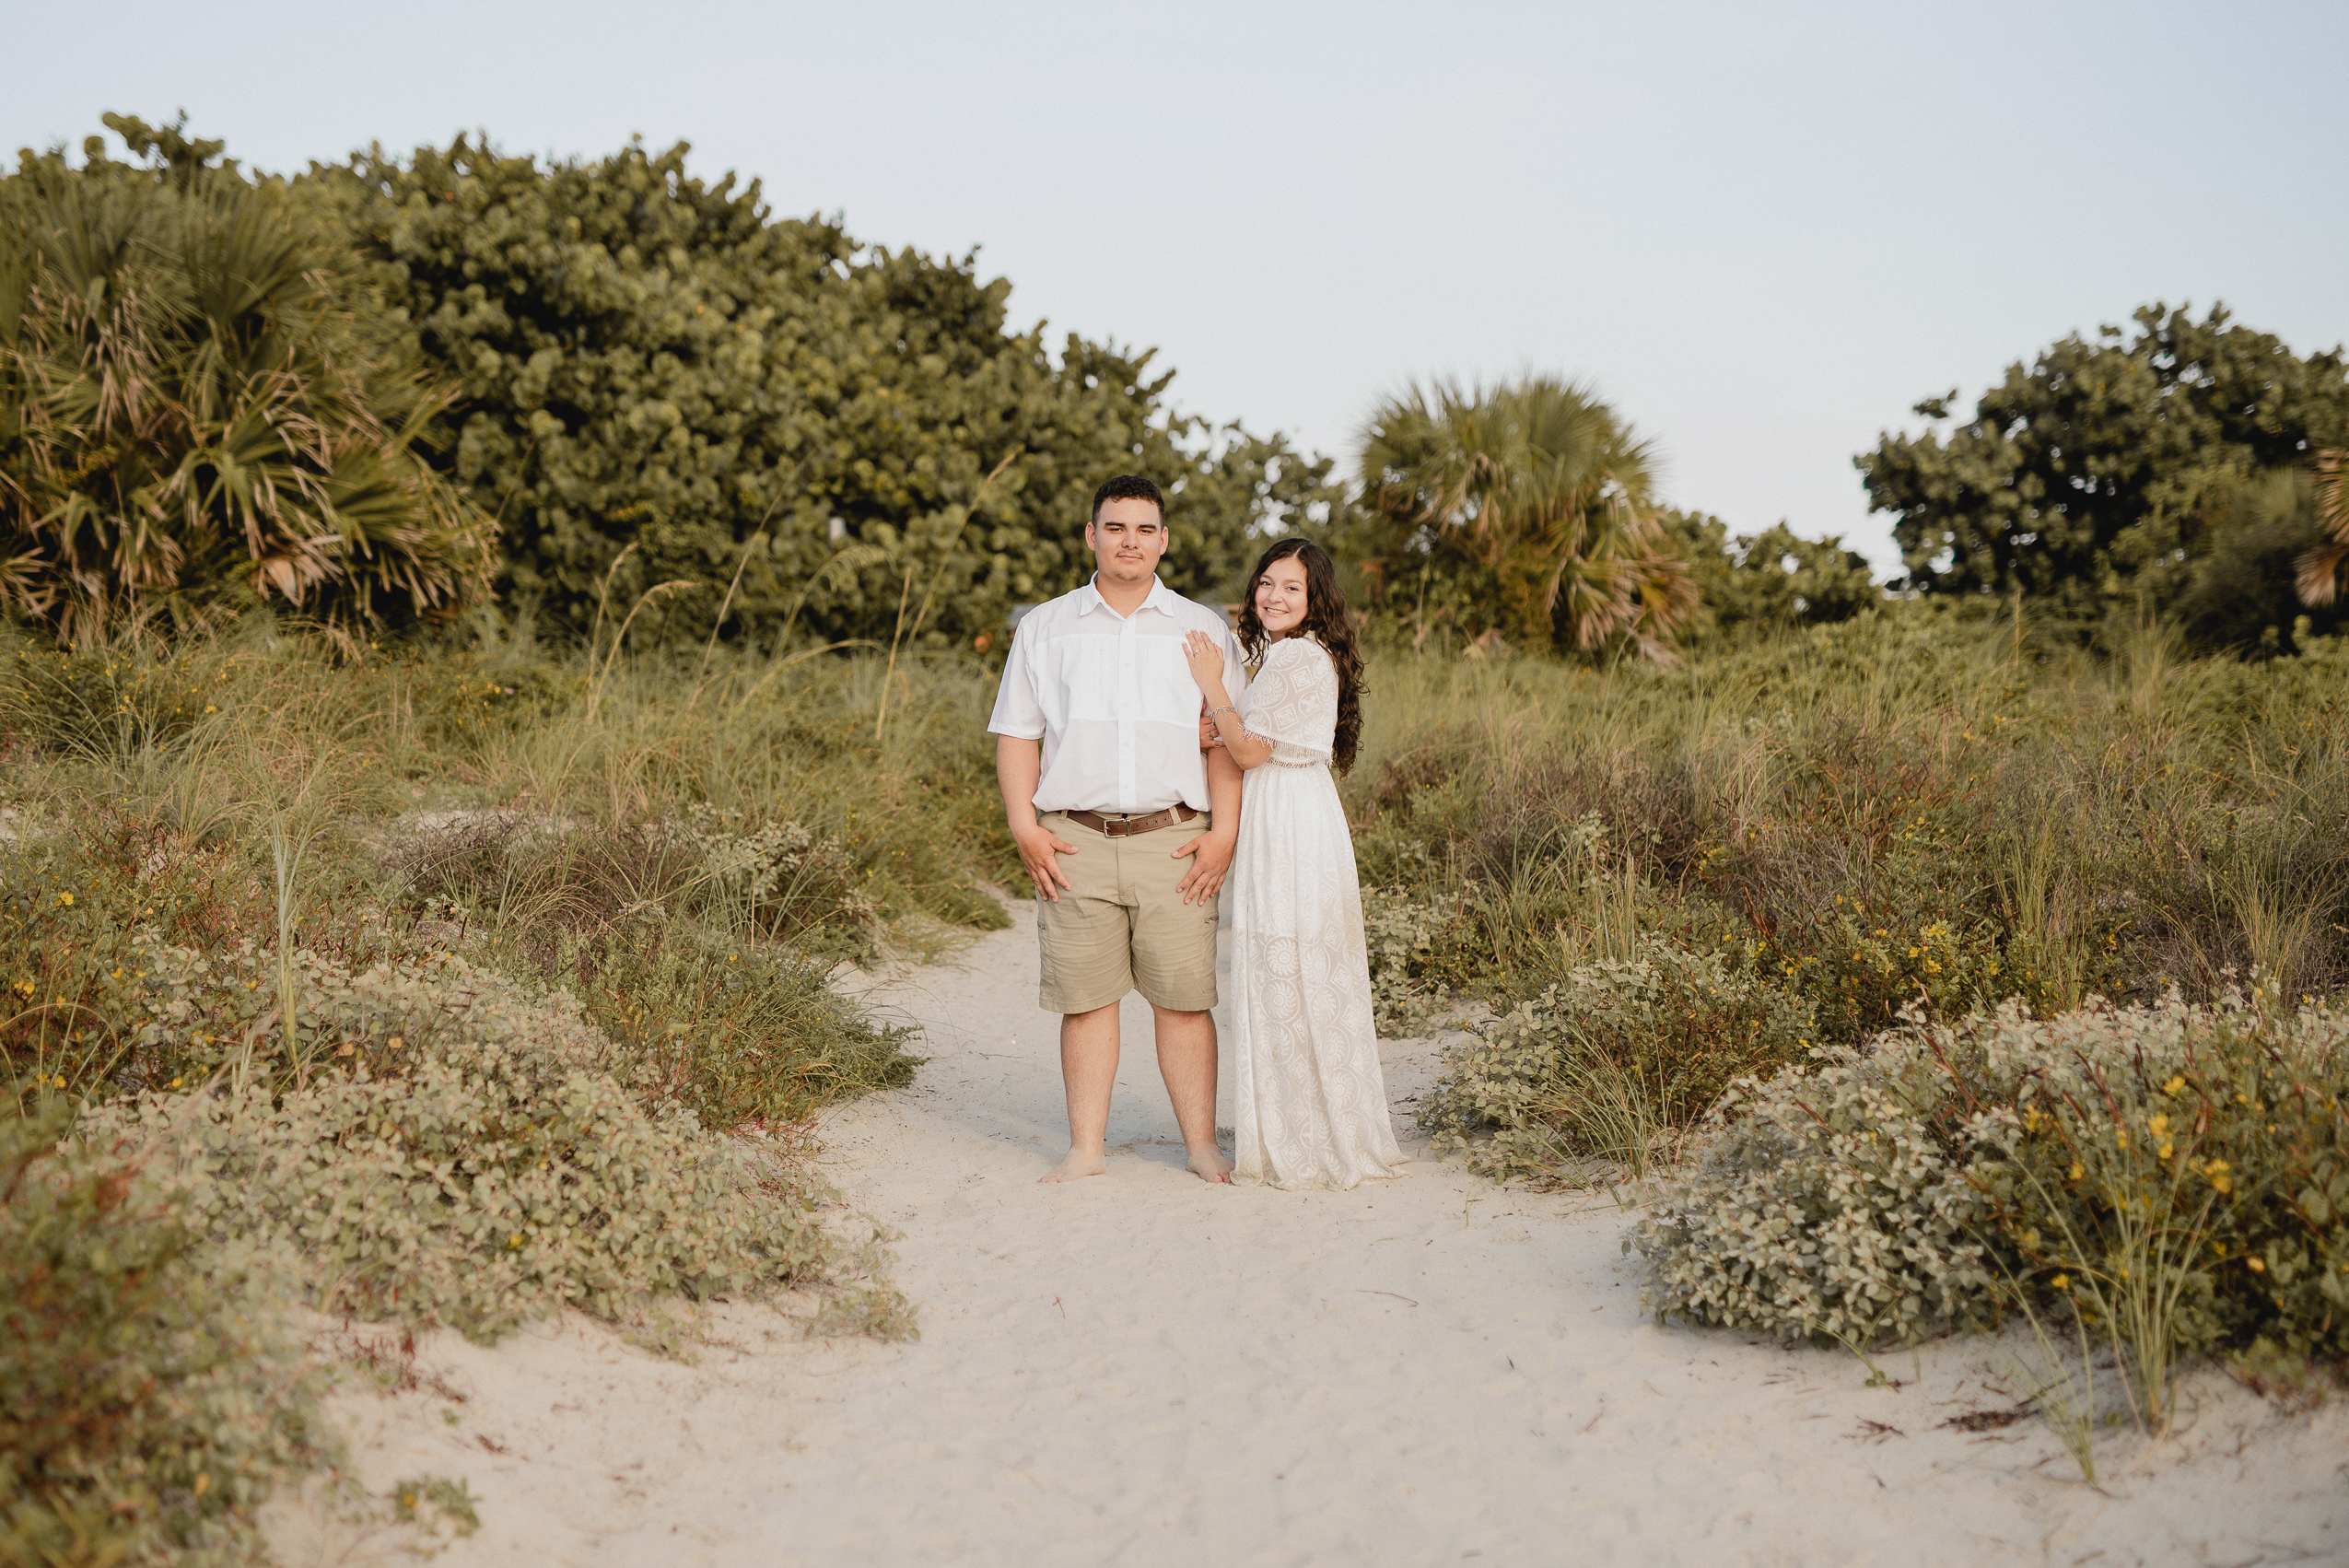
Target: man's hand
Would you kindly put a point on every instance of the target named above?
(1211, 855)
(1039, 850)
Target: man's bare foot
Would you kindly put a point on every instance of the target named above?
(1078, 1166)
(1210, 1165)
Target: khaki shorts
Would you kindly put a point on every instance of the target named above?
(1121, 924)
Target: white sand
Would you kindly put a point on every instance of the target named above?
(1140, 1369)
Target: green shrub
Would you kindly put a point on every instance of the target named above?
(151, 1400)
(1404, 936)
(1917, 807)
(660, 931)
(734, 1032)
(2175, 1175)
(2179, 1177)
(669, 940)
(1609, 1063)
(1823, 1204)
(464, 1156)
(207, 409)
(649, 357)
(80, 907)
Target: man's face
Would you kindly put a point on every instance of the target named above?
(1127, 540)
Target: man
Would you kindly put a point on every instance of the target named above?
(1123, 823)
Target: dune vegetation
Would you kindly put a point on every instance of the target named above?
(1926, 973)
(486, 641)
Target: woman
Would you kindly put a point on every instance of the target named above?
(1309, 1101)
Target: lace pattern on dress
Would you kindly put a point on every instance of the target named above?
(1309, 1099)
(1292, 706)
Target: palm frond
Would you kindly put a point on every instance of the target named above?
(191, 416)
(1539, 482)
(2318, 573)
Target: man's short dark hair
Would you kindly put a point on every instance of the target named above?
(1128, 488)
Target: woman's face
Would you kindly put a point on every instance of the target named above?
(1280, 596)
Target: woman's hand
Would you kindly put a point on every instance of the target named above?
(1206, 662)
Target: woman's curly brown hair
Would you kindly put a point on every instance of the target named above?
(1327, 620)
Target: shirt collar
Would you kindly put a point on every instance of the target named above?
(1160, 598)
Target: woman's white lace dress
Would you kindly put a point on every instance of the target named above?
(1308, 1099)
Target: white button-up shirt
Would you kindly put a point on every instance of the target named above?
(1113, 700)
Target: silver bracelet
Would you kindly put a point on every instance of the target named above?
(1227, 708)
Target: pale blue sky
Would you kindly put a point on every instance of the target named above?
(1762, 230)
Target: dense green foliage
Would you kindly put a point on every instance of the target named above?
(2176, 1177)
(216, 390)
(461, 1152)
(1525, 509)
(152, 1401)
(2122, 478)
(721, 853)
(1609, 1063)
(344, 1031)
(1768, 582)
(200, 410)
(1900, 814)
(649, 357)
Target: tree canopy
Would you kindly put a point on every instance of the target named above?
(2109, 476)
(650, 359)
(1768, 582)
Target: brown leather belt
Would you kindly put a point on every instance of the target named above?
(1127, 826)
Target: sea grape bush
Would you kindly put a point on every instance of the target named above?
(472, 1165)
(1653, 1040)
(1822, 1204)
(2174, 1173)
(1400, 932)
(154, 1397)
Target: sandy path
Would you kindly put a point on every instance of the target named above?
(1140, 1369)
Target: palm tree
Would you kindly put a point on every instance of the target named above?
(198, 413)
(1538, 485)
(2320, 570)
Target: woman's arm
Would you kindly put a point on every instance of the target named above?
(1238, 745)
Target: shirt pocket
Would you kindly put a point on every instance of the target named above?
(1080, 678)
(1168, 693)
